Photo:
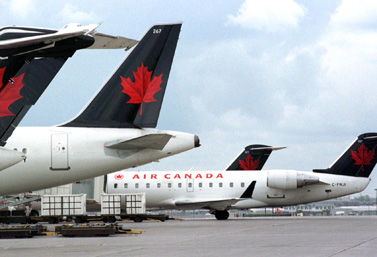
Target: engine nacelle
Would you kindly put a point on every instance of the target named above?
(9, 157)
(289, 179)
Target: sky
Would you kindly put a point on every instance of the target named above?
(300, 74)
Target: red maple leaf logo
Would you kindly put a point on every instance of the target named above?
(249, 163)
(143, 89)
(10, 94)
(2, 70)
(363, 156)
(118, 176)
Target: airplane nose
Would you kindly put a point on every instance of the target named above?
(197, 141)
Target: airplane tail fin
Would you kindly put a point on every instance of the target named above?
(133, 96)
(358, 160)
(22, 82)
(253, 157)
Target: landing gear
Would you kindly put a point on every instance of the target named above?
(221, 215)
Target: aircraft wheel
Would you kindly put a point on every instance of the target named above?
(222, 215)
(138, 219)
(34, 213)
(111, 219)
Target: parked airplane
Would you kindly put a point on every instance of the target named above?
(23, 78)
(220, 191)
(109, 134)
(16, 41)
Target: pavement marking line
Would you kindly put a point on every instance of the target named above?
(352, 247)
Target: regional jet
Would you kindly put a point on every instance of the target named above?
(112, 133)
(220, 191)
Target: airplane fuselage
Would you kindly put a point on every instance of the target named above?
(60, 155)
(216, 189)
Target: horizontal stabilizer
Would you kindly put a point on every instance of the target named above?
(272, 148)
(215, 204)
(10, 157)
(103, 41)
(151, 141)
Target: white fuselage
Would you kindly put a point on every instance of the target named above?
(164, 190)
(60, 155)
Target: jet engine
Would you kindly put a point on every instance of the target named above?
(289, 179)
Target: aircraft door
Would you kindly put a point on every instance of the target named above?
(59, 152)
(190, 185)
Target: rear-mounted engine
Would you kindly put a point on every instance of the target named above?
(289, 179)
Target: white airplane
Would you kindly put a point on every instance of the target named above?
(16, 41)
(24, 77)
(220, 191)
(109, 134)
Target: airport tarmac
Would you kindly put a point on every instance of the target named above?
(281, 236)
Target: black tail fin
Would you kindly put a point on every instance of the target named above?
(22, 82)
(133, 96)
(358, 160)
(253, 157)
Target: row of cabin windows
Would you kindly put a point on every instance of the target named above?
(189, 185)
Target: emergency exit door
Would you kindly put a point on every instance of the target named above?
(59, 152)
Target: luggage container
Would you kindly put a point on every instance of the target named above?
(70, 207)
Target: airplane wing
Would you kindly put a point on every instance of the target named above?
(103, 41)
(215, 204)
(151, 141)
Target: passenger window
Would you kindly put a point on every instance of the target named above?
(179, 185)
(136, 185)
(115, 185)
(242, 184)
(169, 185)
(147, 185)
(210, 184)
(158, 185)
(220, 184)
(190, 184)
(231, 184)
(200, 184)
(125, 185)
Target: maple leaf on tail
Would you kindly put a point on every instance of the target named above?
(10, 94)
(143, 89)
(2, 70)
(249, 163)
(363, 156)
